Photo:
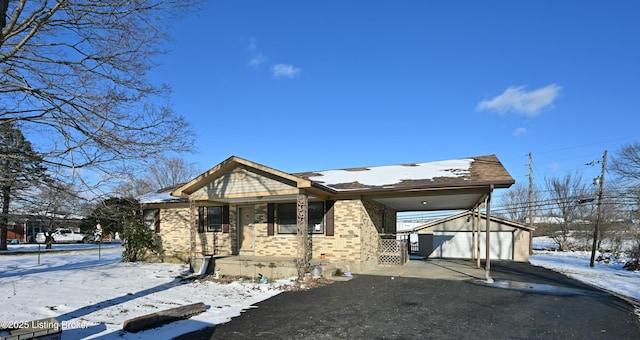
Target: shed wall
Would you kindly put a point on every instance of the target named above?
(454, 239)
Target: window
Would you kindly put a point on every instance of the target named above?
(151, 219)
(316, 217)
(214, 219)
(288, 221)
(211, 219)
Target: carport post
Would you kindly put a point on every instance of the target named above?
(488, 232)
(476, 217)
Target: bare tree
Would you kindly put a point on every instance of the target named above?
(134, 187)
(164, 173)
(75, 71)
(626, 165)
(566, 194)
(169, 171)
(516, 203)
(53, 203)
(587, 217)
(626, 162)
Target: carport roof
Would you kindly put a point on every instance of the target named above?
(438, 174)
(456, 184)
(464, 214)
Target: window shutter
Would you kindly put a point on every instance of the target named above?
(329, 217)
(156, 221)
(225, 218)
(271, 218)
(202, 217)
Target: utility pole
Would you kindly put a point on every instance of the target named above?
(530, 204)
(597, 226)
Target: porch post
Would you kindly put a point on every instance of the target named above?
(304, 248)
(472, 218)
(488, 232)
(476, 217)
(193, 229)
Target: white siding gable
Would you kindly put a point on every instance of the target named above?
(243, 181)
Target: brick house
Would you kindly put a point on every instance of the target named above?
(249, 212)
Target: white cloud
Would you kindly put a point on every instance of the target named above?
(556, 166)
(253, 46)
(520, 131)
(257, 59)
(519, 101)
(284, 70)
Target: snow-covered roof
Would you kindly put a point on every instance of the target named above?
(162, 196)
(392, 175)
(456, 172)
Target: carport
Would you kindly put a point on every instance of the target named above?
(471, 192)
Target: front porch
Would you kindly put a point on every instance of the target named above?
(391, 252)
(283, 267)
(253, 266)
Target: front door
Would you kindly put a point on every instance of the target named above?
(246, 219)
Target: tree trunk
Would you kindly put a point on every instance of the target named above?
(48, 239)
(4, 221)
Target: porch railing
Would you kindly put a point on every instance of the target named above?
(392, 251)
(413, 247)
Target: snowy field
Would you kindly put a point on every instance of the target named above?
(93, 295)
(610, 276)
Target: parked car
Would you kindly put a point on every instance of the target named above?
(62, 235)
(40, 238)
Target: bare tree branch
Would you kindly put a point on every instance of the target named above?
(74, 73)
(626, 162)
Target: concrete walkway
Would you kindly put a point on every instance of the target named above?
(444, 269)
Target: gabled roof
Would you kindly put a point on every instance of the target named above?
(457, 184)
(229, 164)
(466, 214)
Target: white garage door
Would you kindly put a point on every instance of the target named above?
(459, 245)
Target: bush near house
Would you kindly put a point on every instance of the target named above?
(139, 241)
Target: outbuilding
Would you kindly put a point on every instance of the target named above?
(456, 236)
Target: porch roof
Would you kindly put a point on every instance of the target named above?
(457, 184)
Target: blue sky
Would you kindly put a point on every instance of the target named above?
(317, 85)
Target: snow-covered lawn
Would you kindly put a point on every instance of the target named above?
(607, 275)
(92, 296)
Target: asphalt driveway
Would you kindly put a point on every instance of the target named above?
(543, 305)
